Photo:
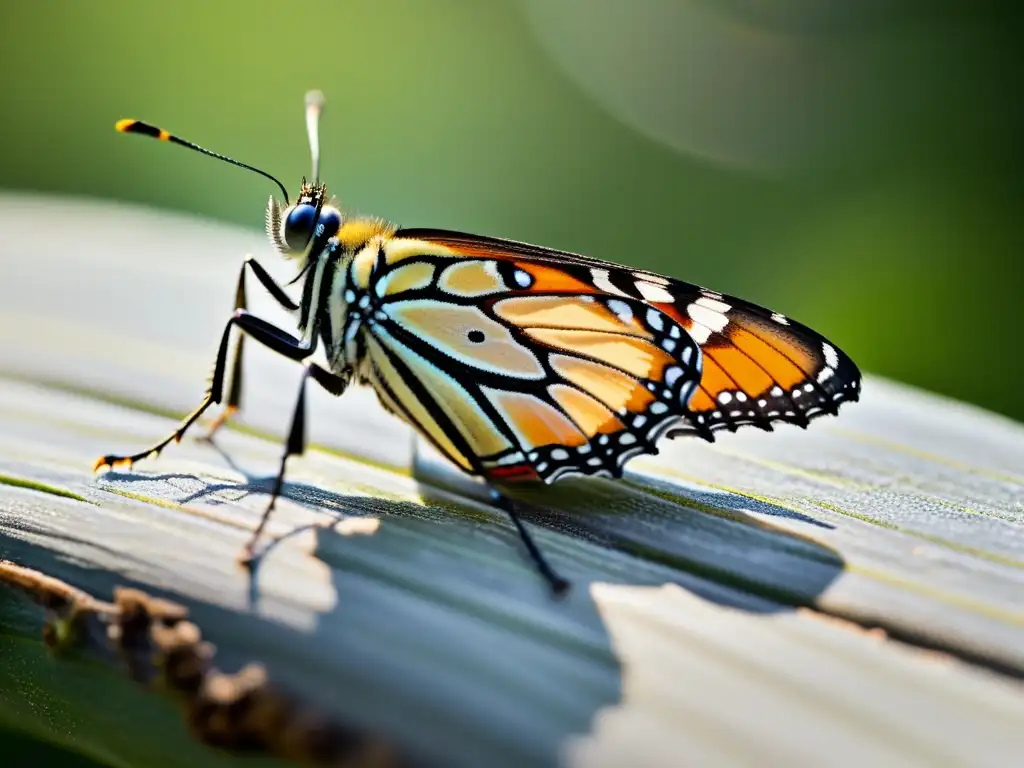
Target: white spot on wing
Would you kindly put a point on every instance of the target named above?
(603, 281)
(707, 317)
(655, 293)
(559, 454)
(657, 279)
(672, 375)
(687, 390)
(725, 398)
(512, 458)
(655, 320)
(713, 304)
(831, 356)
(700, 333)
(621, 309)
(780, 319)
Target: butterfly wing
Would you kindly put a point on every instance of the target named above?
(516, 369)
(758, 367)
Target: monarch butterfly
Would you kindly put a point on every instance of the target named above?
(517, 362)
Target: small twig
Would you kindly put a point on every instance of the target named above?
(158, 644)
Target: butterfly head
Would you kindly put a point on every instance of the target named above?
(293, 228)
(311, 218)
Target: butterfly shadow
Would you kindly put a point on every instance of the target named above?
(443, 633)
(493, 664)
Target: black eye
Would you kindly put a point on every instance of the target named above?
(298, 227)
(331, 220)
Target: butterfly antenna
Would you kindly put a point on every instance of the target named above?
(314, 106)
(145, 129)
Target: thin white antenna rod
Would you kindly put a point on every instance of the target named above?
(314, 106)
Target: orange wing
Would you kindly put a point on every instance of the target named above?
(513, 368)
(759, 366)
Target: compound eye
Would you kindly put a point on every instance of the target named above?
(298, 227)
(331, 220)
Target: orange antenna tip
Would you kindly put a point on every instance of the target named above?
(137, 126)
(128, 125)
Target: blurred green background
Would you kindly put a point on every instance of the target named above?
(856, 165)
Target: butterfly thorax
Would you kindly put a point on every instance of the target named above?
(335, 305)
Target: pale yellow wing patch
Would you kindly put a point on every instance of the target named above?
(633, 355)
(467, 335)
(453, 399)
(570, 312)
(400, 248)
(422, 418)
(407, 278)
(471, 278)
(362, 265)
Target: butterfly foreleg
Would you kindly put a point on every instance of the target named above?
(277, 292)
(295, 444)
(267, 334)
(558, 584)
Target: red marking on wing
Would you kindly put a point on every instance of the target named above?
(513, 473)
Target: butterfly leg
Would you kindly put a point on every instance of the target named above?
(558, 584)
(282, 298)
(267, 334)
(295, 444)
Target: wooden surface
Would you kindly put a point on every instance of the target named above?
(850, 594)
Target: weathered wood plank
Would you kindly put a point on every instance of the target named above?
(418, 615)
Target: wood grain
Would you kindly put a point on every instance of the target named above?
(720, 592)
